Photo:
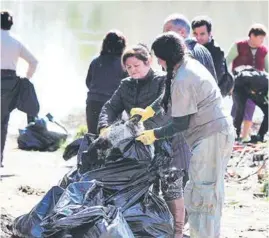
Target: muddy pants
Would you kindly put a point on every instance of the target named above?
(204, 192)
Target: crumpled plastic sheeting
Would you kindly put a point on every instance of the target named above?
(110, 181)
(38, 136)
(28, 225)
(146, 218)
(90, 222)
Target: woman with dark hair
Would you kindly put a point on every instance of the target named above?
(145, 89)
(104, 76)
(196, 105)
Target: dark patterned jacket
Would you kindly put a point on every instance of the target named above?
(136, 93)
(218, 58)
(142, 93)
(201, 54)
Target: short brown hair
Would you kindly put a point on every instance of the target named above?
(139, 51)
(257, 30)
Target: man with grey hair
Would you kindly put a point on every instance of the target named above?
(181, 25)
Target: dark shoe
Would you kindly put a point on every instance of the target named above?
(256, 139)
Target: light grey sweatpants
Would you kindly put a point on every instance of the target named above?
(204, 192)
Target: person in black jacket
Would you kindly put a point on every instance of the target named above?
(250, 84)
(104, 76)
(144, 90)
(202, 31)
(143, 87)
(180, 24)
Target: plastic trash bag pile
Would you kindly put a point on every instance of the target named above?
(44, 134)
(108, 194)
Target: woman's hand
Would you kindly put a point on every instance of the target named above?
(147, 137)
(145, 114)
(104, 131)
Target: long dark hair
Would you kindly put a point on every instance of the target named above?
(169, 47)
(114, 43)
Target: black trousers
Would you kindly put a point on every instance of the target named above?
(240, 97)
(9, 96)
(93, 110)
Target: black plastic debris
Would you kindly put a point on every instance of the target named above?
(108, 193)
(38, 135)
(150, 217)
(28, 225)
(80, 212)
(71, 150)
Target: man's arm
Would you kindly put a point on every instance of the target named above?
(231, 55)
(30, 59)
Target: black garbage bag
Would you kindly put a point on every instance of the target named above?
(97, 153)
(92, 156)
(125, 182)
(71, 149)
(146, 213)
(27, 99)
(38, 136)
(28, 225)
(90, 222)
(150, 217)
(79, 146)
(129, 178)
(80, 213)
(226, 84)
(123, 165)
(87, 158)
(82, 210)
(122, 179)
(72, 176)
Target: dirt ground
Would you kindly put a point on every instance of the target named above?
(27, 176)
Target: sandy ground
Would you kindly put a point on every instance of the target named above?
(245, 215)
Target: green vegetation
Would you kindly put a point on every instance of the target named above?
(81, 131)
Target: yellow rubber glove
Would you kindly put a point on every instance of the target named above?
(146, 113)
(147, 137)
(104, 131)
